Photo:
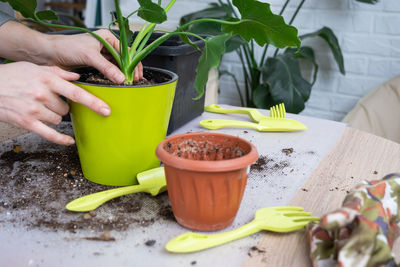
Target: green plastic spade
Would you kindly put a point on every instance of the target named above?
(151, 181)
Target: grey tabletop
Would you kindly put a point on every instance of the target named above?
(291, 157)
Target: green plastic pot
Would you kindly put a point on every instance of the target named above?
(114, 149)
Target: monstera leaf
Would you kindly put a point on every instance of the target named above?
(262, 97)
(286, 84)
(259, 23)
(211, 58)
(327, 34)
(27, 8)
(305, 53)
(151, 12)
(215, 11)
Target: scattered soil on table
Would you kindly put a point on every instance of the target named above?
(260, 164)
(267, 164)
(287, 151)
(93, 76)
(255, 250)
(36, 186)
(150, 243)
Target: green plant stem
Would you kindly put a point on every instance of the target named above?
(213, 20)
(142, 54)
(123, 42)
(144, 41)
(232, 9)
(139, 37)
(110, 49)
(245, 76)
(266, 47)
(144, 31)
(292, 19)
(133, 13)
(297, 11)
(111, 30)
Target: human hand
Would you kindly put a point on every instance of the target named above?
(362, 232)
(29, 98)
(69, 51)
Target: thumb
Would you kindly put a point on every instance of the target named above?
(110, 71)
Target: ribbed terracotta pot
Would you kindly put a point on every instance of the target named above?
(206, 176)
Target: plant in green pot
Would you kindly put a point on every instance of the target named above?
(113, 150)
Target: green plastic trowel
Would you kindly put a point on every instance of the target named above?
(150, 181)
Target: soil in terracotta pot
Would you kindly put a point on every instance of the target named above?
(212, 149)
(93, 76)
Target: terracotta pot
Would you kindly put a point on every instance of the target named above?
(206, 176)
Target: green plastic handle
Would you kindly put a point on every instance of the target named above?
(217, 109)
(191, 242)
(254, 114)
(214, 124)
(92, 201)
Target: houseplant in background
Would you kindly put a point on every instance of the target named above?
(113, 150)
(269, 81)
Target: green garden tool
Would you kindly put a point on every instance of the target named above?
(151, 181)
(275, 219)
(276, 122)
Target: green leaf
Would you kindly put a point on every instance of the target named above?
(151, 12)
(128, 32)
(215, 12)
(262, 97)
(328, 35)
(25, 7)
(260, 24)
(234, 43)
(283, 76)
(47, 15)
(186, 40)
(207, 28)
(211, 58)
(306, 53)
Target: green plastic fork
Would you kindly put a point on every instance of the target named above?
(278, 111)
(276, 219)
(276, 122)
(253, 113)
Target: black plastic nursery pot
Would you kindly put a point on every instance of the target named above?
(182, 59)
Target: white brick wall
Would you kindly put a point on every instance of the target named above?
(368, 34)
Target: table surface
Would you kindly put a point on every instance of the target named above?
(325, 156)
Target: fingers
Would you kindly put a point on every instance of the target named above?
(110, 38)
(109, 70)
(50, 134)
(34, 125)
(81, 96)
(66, 75)
(138, 72)
(57, 105)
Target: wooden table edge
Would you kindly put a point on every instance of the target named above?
(356, 156)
